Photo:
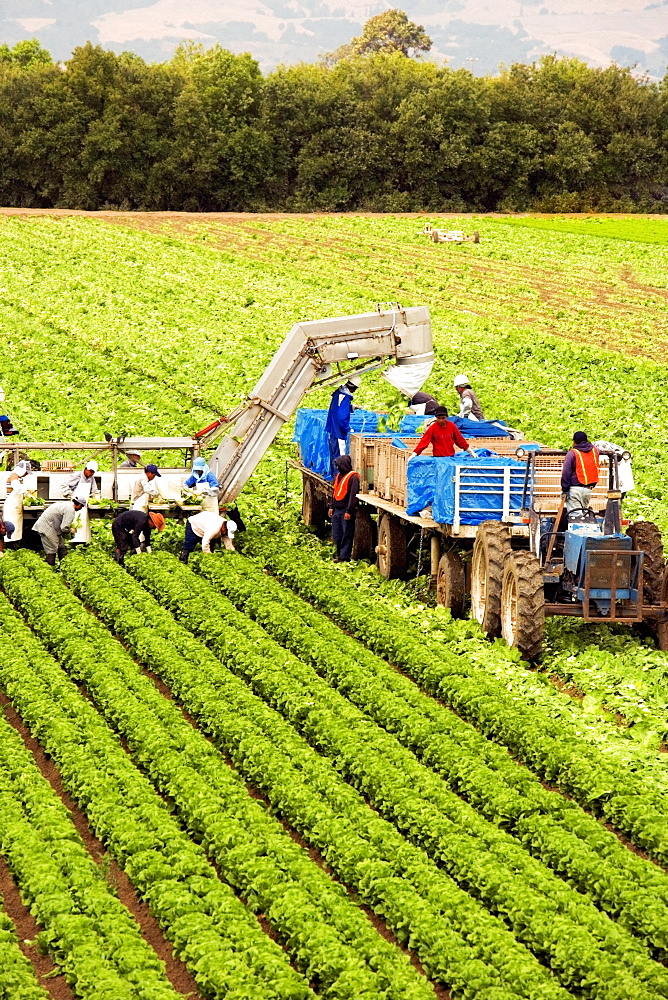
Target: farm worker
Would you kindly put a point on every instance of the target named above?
(6, 528)
(145, 489)
(207, 526)
(132, 459)
(337, 426)
(624, 470)
(82, 486)
(579, 473)
(7, 429)
(17, 488)
(423, 404)
(54, 524)
(469, 404)
(205, 484)
(344, 507)
(443, 436)
(129, 528)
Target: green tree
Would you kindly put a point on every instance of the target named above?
(390, 31)
(25, 55)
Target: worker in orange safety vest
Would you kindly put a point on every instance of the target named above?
(579, 473)
(344, 507)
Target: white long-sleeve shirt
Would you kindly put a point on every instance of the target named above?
(206, 525)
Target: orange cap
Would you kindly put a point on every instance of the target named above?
(157, 520)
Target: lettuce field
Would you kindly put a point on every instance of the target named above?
(263, 776)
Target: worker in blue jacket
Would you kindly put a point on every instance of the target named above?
(204, 483)
(337, 426)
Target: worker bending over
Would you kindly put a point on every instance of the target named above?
(54, 524)
(145, 489)
(579, 473)
(423, 404)
(203, 482)
(6, 528)
(206, 527)
(132, 459)
(344, 507)
(337, 426)
(443, 436)
(469, 404)
(129, 528)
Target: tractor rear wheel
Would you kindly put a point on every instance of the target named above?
(391, 548)
(451, 583)
(363, 547)
(647, 538)
(314, 507)
(492, 544)
(523, 604)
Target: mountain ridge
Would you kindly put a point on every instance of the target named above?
(476, 34)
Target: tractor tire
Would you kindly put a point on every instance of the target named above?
(314, 507)
(647, 538)
(660, 630)
(491, 546)
(451, 583)
(363, 540)
(391, 549)
(523, 604)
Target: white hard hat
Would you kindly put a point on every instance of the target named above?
(460, 380)
(134, 451)
(355, 380)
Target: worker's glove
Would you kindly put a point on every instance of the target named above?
(138, 550)
(148, 549)
(473, 453)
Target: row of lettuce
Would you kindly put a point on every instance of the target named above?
(554, 749)
(17, 976)
(467, 858)
(608, 682)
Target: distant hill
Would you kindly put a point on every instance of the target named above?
(477, 34)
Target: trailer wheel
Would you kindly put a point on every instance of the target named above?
(391, 548)
(647, 538)
(659, 630)
(314, 508)
(451, 583)
(363, 547)
(523, 604)
(490, 548)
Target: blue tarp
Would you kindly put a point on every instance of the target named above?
(431, 482)
(470, 428)
(312, 438)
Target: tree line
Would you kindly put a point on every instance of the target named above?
(368, 129)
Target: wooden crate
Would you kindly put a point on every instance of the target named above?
(362, 456)
(547, 485)
(57, 465)
(502, 446)
(390, 465)
(369, 457)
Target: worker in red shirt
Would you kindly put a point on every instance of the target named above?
(443, 435)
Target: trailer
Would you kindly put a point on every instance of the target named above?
(509, 551)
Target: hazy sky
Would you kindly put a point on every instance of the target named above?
(478, 34)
